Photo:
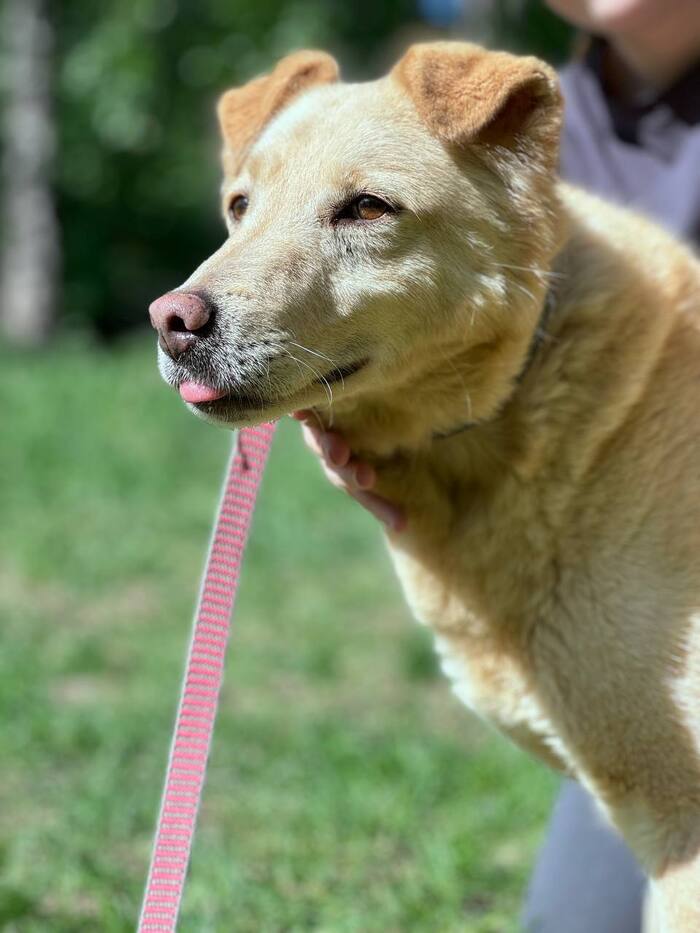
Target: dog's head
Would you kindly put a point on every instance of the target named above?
(373, 231)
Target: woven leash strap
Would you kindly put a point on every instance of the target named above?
(202, 683)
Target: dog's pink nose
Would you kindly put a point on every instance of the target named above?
(178, 317)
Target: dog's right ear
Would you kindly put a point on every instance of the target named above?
(244, 111)
(466, 94)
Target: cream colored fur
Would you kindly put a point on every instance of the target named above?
(553, 548)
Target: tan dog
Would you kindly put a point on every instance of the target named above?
(395, 252)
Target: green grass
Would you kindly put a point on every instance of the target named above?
(348, 790)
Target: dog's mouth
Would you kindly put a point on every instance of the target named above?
(211, 399)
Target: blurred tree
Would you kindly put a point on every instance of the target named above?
(30, 236)
(530, 27)
(137, 169)
(138, 166)
(519, 25)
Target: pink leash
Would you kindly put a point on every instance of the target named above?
(203, 677)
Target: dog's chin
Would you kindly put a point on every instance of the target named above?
(230, 412)
(236, 409)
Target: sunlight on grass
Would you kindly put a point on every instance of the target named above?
(348, 790)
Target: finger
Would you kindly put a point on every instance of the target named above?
(390, 515)
(311, 428)
(342, 479)
(312, 439)
(337, 449)
(330, 446)
(365, 475)
(355, 476)
(345, 480)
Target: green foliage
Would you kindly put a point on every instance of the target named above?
(137, 171)
(348, 790)
(137, 174)
(529, 27)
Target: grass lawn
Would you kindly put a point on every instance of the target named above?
(348, 790)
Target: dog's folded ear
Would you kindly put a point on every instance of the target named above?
(244, 111)
(466, 94)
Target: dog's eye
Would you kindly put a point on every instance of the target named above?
(238, 207)
(369, 208)
(366, 207)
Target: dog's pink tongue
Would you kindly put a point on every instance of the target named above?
(195, 392)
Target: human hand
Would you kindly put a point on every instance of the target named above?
(346, 472)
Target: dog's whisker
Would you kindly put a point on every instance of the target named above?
(320, 423)
(323, 357)
(267, 373)
(315, 352)
(524, 290)
(542, 273)
(319, 377)
(298, 362)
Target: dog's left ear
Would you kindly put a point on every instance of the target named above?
(466, 94)
(244, 111)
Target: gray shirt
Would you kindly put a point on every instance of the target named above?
(645, 155)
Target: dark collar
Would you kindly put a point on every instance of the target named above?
(538, 338)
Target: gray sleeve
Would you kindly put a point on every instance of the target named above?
(585, 878)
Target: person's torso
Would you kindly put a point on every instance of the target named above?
(643, 157)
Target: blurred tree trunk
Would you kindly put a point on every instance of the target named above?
(29, 264)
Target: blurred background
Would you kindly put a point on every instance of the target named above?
(348, 789)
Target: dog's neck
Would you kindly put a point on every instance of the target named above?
(539, 336)
(468, 386)
(466, 376)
